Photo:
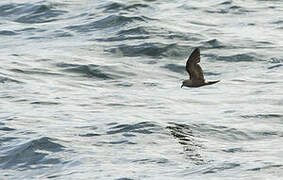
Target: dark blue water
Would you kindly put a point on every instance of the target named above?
(91, 90)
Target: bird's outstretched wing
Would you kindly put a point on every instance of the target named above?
(192, 66)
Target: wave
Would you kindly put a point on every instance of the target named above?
(117, 7)
(227, 7)
(233, 134)
(86, 70)
(276, 61)
(95, 71)
(47, 103)
(110, 21)
(245, 57)
(37, 71)
(175, 68)
(4, 79)
(135, 33)
(214, 43)
(31, 12)
(263, 116)
(267, 167)
(127, 130)
(156, 50)
(30, 153)
(277, 22)
(226, 2)
(143, 128)
(220, 167)
(222, 132)
(275, 66)
(6, 129)
(121, 133)
(8, 33)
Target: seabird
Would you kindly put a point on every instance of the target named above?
(195, 71)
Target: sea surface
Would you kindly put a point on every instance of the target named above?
(91, 89)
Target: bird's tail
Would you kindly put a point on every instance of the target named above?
(212, 82)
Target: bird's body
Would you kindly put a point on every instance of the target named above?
(191, 83)
(195, 72)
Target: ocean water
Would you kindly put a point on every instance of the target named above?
(91, 90)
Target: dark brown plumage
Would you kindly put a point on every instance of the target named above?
(195, 71)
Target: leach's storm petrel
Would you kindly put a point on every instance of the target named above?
(195, 72)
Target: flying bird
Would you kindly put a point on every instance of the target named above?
(195, 72)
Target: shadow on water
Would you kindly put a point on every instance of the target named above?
(185, 136)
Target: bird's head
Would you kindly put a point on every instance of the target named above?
(182, 84)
